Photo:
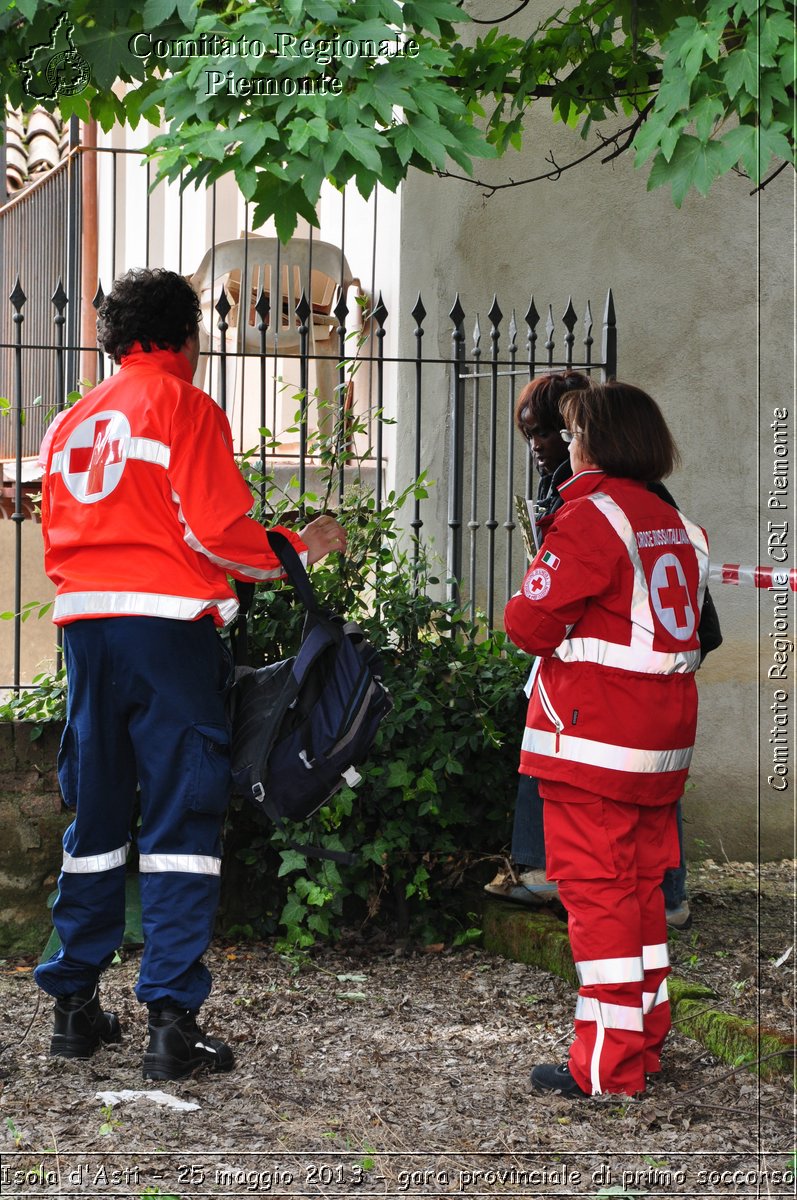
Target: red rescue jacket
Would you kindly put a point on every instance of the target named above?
(611, 605)
(144, 510)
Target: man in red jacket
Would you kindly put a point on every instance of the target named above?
(144, 516)
(611, 607)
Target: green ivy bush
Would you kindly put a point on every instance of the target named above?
(436, 795)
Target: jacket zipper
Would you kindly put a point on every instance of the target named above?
(550, 712)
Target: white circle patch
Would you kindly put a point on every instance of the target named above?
(537, 584)
(95, 456)
(670, 597)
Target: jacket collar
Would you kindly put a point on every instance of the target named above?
(172, 361)
(582, 484)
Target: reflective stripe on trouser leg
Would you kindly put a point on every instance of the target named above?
(656, 962)
(184, 884)
(657, 848)
(592, 853)
(97, 775)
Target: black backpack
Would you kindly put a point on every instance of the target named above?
(301, 727)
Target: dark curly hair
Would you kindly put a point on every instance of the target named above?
(156, 308)
(538, 403)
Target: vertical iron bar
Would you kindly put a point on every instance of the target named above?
(223, 307)
(74, 230)
(303, 312)
(18, 299)
(419, 315)
(147, 210)
(343, 437)
(569, 318)
(245, 300)
(491, 524)
(99, 296)
(180, 215)
(550, 326)
(588, 339)
(473, 523)
(262, 310)
(532, 318)
(609, 348)
(340, 401)
(370, 409)
(114, 193)
(380, 316)
(457, 452)
(60, 301)
(211, 350)
(509, 523)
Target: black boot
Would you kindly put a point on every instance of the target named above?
(178, 1047)
(548, 1077)
(80, 1025)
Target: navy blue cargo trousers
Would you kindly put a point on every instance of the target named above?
(145, 711)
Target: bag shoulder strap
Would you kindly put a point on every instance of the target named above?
(294, 569)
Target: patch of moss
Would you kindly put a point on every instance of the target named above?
(540, 939)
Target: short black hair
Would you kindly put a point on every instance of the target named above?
(154, 307)
(538, 402)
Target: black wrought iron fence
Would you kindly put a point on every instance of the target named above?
(453, 419)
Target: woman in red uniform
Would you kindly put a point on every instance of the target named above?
(611, 607)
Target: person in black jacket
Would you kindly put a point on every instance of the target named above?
(538, 418)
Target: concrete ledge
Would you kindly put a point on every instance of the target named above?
(540, 939)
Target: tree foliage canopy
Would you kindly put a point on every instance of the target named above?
(703, 87)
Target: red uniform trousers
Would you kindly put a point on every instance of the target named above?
(609, 859)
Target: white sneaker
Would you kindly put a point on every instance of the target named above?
(544, 890)
(680, 917)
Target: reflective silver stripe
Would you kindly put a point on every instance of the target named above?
(143, 449)
(611, 1016)
(148, 450)
(651, 1000)
(609, 970)
(639, 655)
(193, 541)
(92, 864)
(627, 658)
(655, 957)
(595, 1063)
(604, 754)
(189, 864)
(700, 546)
(139, 604)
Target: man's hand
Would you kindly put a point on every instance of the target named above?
(321, 537)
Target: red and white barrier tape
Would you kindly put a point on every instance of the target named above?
(760, 577)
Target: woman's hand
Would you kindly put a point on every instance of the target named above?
(321, 537)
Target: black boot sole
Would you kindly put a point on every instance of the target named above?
(158, 1067)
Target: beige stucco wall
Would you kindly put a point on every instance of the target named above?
(704, 310)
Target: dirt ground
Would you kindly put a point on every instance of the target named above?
(383, 1071)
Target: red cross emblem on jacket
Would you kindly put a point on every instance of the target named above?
(94, 457)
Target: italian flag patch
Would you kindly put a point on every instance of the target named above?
(550, 560)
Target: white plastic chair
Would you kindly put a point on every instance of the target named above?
(283, 273)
